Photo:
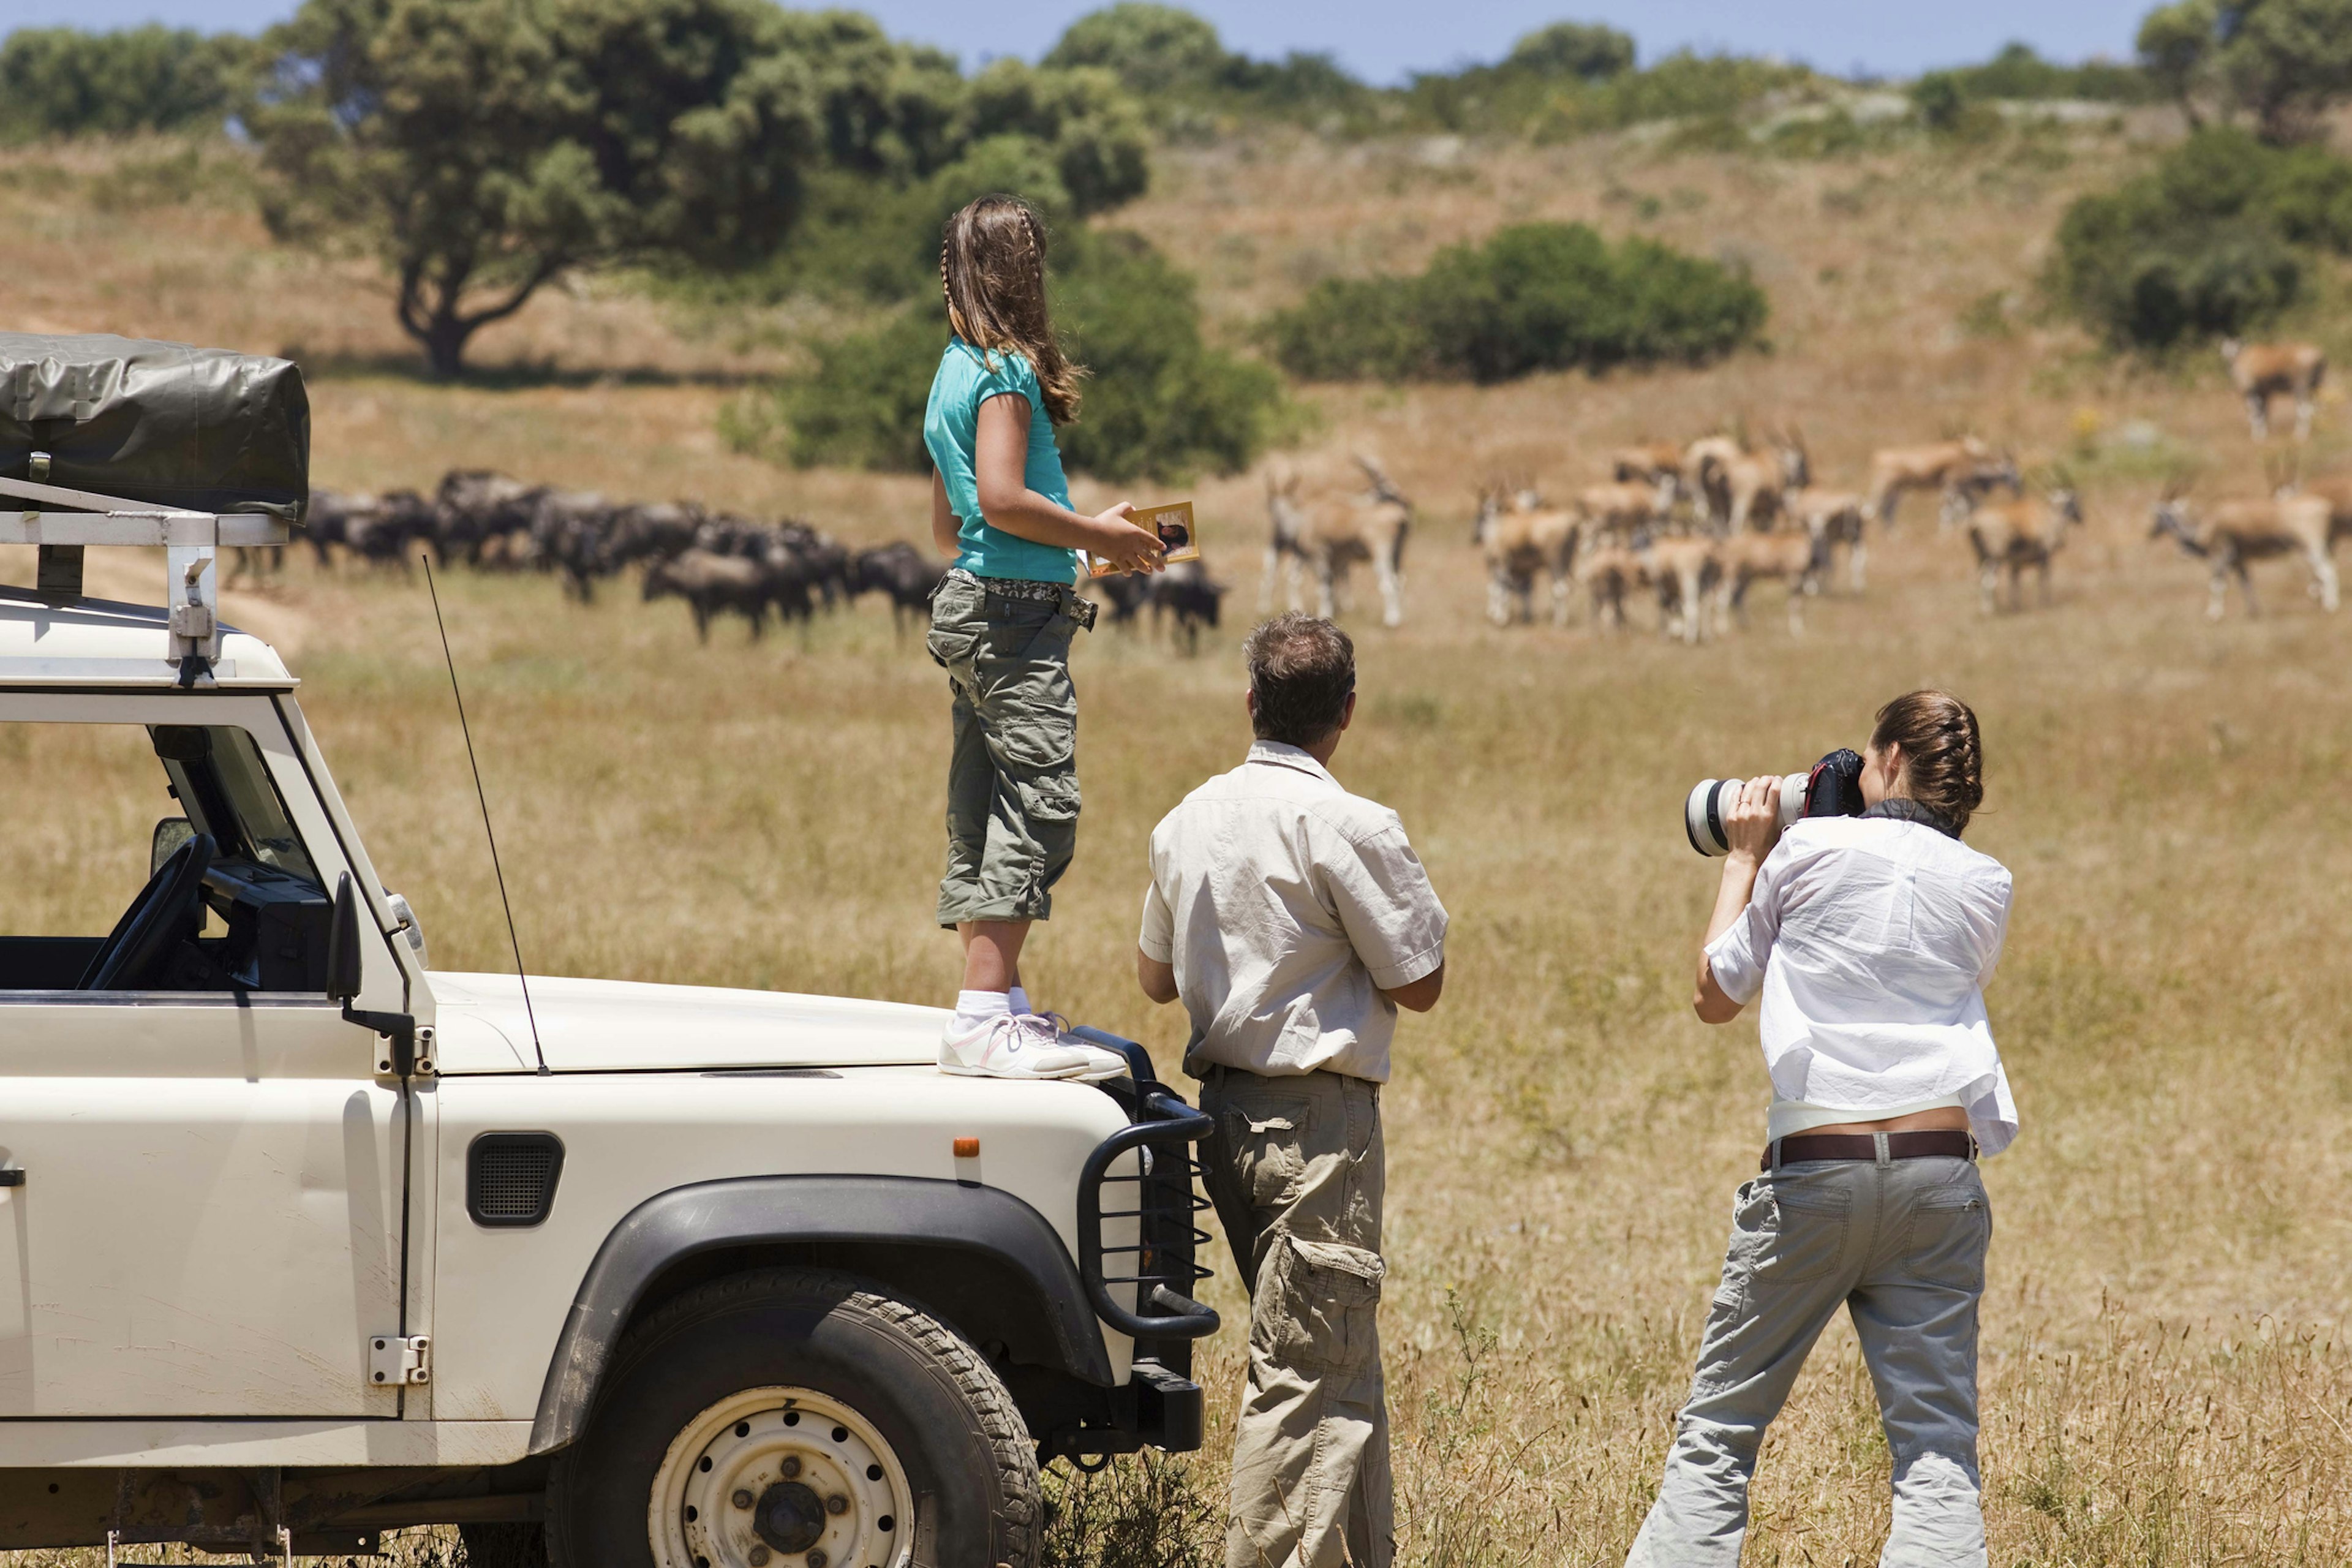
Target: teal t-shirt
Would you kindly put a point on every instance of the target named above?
(967, 378)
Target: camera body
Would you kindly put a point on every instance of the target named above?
(1831, 789)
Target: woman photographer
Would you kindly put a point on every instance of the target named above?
(1870, 939)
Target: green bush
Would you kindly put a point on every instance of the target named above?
(62, 81)
(2212, 241)
(1160, 402)
(862, 405)
(2019, 74)
(1152, 47)
(1580, 51)
(1535, 297)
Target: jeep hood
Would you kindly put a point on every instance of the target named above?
(621, 1025)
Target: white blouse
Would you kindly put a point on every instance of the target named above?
(1869, 941)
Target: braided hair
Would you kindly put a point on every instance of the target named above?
(1943, 753)
(992, 273)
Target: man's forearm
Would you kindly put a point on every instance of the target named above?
(1420, 995)
(1157, 976)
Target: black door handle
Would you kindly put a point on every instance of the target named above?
(14, 1176)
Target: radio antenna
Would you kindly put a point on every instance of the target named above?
(521, 977)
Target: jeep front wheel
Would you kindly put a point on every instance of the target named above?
(796, 1419)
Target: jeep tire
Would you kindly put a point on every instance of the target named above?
(796, 1418)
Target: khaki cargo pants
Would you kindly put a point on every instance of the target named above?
(1296, 1170)
(1013, 779)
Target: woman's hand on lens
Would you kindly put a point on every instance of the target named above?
(1126, 546)
(1754, 825)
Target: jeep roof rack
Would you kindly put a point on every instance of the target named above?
(190, 541)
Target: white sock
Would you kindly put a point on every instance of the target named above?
(974, 1005)
(1018, 1000)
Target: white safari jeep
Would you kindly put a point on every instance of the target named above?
(301, 1241)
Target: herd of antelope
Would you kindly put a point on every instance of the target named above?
(1698, 526)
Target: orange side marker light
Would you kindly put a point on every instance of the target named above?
(967, 1148)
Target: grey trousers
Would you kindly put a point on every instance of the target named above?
(1296, 1172)
(1901, 1246)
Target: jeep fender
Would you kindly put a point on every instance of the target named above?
(757, 1211)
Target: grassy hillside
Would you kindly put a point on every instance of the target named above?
(2164, 1378)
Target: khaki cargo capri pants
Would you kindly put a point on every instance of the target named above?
(1013, 779)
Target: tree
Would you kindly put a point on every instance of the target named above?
(1573, 50)
(1091, 129)
(2287, 62)
(1151, 46)
(2175, 43)
(484, 147)
(2282, 62)
(61, 81)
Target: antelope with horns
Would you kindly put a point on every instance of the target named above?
(1797, 559)
(2012, 535)
(2228, 534)
(1647, 463)
(2264, 371)
(1608, 570)
(1330, 534)
(1707, 464)
(1621, 509)
(1834, 519)
(1684, 568)
(1896, 469)
(1971, 485)
(1755, 482)
(1521, 537)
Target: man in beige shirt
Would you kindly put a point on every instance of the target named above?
(1294, 919)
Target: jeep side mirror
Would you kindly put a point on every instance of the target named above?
(170, 834)
(343, 943)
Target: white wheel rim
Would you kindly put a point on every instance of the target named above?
(780, 1478)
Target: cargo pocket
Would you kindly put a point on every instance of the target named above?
(1785, 1234)
(1051, 805)
(1949, 1233)
(954, 637)
(1035, 711)
(1327, 1300)
(1268, 1150)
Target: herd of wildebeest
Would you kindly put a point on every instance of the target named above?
(715, 563)
(1694, 526)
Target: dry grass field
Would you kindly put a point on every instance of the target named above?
(2165, 1381)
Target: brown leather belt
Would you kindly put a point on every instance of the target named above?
(1945, 1145)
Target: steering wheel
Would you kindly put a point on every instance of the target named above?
(158, 920)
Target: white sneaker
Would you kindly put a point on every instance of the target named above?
(1010, 1045)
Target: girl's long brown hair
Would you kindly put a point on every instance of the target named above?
(992, 271)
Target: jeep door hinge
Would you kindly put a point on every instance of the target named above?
(414, 1056)
(398, 1359)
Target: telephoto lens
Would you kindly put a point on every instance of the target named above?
(1832, 788)
(1709, 805)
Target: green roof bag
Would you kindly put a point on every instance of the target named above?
(164, 424)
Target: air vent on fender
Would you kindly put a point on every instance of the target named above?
(510, 1177)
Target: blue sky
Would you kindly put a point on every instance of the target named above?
(1382, 40)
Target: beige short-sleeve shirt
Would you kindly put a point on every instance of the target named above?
(1286, 905)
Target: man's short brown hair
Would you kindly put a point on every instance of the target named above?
(1301, 670)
